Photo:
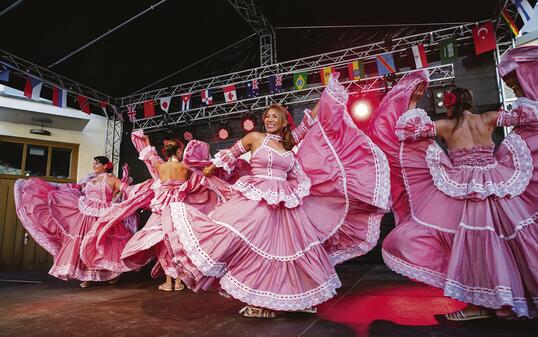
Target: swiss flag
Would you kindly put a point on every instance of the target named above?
(149, 108)
(230, 95)
(484, 38)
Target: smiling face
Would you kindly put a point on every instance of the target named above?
(98, 168)
(273, 120)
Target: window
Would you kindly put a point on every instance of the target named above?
(10, 158)
(60, 163)
(20, 157)
(36, 160)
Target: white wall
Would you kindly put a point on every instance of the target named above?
(91, 140)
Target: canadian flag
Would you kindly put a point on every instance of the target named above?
(230, 95)
(185, 101)
(419, 56)
(165, 103)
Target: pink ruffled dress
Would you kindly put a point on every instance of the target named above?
(59, 216)
(158, 238)
(466, 220)
(274, 244)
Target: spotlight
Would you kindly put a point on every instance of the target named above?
(438, 95)
(224, 132)
(248, 124)
(188, 135)
(361, 110)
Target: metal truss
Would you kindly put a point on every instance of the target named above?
(26, 68)
(114, 128)
(255, 18)
(311, 64)
(439, 75)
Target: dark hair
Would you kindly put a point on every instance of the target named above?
(287, 138)
(171, 147)
(464, 102)
(103, 160)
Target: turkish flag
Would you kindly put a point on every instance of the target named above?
(149, 109)
(484, 38)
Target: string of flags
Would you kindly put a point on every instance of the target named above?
(384, 64)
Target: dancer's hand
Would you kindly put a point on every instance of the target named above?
(208, 170)
(417, 94)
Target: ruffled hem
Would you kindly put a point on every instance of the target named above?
(274, 301)
(29, 226)
(227, 164)
(481, 182)
(71, 272)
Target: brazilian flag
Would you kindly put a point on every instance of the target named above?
(300, 80)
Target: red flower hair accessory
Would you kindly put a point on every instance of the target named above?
(449, 99)
(109, 165)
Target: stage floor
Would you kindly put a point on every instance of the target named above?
(373, 302)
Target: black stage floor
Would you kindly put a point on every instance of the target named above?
(373, 302)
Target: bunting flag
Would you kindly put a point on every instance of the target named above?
(524, 9)
(510, 22)
(417, 56)
(131, 112)
(300, 80)
(32, 89)
(4, 73)
(324, 74)
(253, 88)
(385, 64)
(185, 101)
(149, 108)
(484, 38)
(59, 97)
(275, 84)
(230, 95)
(448, 50)
(119, 117)
(165, 103)
(207, 97)
(103, 105)
(355, 70)
(84, 104)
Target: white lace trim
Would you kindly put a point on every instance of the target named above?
(203, 262)
(340, 95)
(219, 161)
(249, 191)
(418, 132)
(520, 226)
(89, 210)
(274, 301)
(410, 199)
(421, 274)
(514, 186)
(29, 226)
(71, 272)
(363, 247)
(382, 183)
(147, 153)
(524, 101)
(269, 177)
(494, 298)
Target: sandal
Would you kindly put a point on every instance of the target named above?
(309, 310)
(166, 287)
(249, 311)
(224, 294)
(114, 280)
(84, 284)
(178, 285)
(461, 316)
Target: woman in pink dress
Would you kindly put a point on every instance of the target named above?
(172, 181)
(275, 243)
(466, 220)
(58, 216)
